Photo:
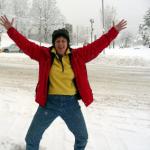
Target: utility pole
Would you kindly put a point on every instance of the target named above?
(92, 21)
(103, 21)
(0, 31)
(40, 28)
(0, 38)
(77, 34)
(63, 24)
(87, 35)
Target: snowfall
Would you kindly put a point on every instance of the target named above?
(118, 119)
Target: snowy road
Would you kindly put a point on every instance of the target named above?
(119, 118)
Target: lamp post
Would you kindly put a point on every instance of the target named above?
(92, 21)
(40, 28)
(63, 24)
(103, 14)
(103, 21)
(87, 35)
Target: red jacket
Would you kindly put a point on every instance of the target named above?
(79, 58)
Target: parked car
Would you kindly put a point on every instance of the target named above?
(124, 46)
(12, 48)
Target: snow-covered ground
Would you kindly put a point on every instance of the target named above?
(118, 119)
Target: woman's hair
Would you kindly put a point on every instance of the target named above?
(61, 32)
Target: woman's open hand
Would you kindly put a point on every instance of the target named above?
(5, 22)
(120, 26)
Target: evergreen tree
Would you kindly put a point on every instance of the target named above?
(147, 18)
(144, 29)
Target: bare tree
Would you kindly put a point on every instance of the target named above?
(82, 34)
(3, 6)
(50, 16)
(4, 9)
(110, 13)
(109, 16)
(19, 10)
(27, 16)
(125, 39)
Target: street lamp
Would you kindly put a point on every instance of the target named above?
(103, 21)
(92, 21)
(87, 35)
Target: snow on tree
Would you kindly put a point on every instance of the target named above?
(125, 39)
(46, 17)
(109, 16)
(3, 6)
(147, 18)
(144, 29)
(82, 34)
(19, 10)
(4, 9)
(27, 17)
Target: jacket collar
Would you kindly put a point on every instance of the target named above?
(53, 50)
(51, 54)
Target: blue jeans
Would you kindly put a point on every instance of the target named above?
(67, 107)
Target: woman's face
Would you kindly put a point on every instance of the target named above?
(61, 45)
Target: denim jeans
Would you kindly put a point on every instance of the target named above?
(67, 107)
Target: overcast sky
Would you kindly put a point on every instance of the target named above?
(79, 12)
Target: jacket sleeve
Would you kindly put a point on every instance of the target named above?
(33, 50)
(92, 50)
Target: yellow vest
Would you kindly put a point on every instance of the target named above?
(61, 76)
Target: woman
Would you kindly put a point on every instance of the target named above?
(62, 81)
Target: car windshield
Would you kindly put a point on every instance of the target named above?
(13, 44)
